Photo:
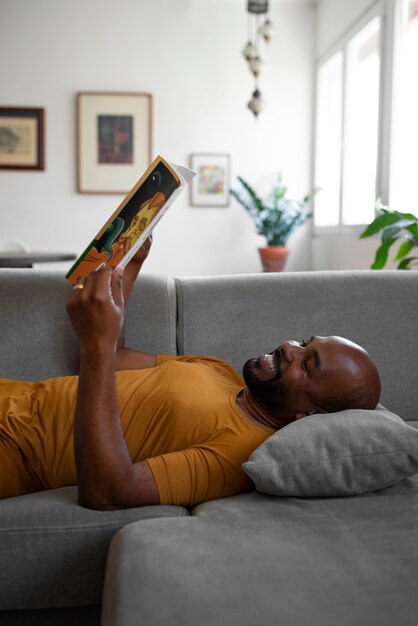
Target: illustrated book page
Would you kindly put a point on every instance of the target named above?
(134, 219)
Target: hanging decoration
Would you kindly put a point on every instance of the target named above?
(259, 28)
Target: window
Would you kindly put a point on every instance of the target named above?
(328, 145)
(361, 115)
(348, 90)
(403, 195)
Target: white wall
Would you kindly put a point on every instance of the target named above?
(187, 53)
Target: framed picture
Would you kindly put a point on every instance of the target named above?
(210, 186)
(114, 140)
(21, 138)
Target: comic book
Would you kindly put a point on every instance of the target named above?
(134, 219)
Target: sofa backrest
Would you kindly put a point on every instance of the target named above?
(37, 340)
(234, 317)
(239, 317)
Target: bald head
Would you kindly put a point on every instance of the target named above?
(356, 379)
(317, 375)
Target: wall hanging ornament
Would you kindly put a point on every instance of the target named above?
(259, 28)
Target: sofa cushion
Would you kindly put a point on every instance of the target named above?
(259, 560)
(53, 551)
(337, 454)
(37, 339)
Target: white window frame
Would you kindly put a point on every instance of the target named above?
(396, 17)
(388, 12)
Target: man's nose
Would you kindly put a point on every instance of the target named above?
(291, 350)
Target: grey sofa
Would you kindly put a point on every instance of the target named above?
(248, 559)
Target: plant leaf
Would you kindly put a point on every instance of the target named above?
(405, 264)
(256, 200)
(404, 249)
(394, 229)
(310, 196)
(382, 254)
(241, 200)
(414, 230)
(380, 222)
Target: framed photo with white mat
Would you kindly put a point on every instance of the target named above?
(114, 140)
(210, 186)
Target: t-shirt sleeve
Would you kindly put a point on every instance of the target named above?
(195, 475)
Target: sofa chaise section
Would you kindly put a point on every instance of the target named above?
(254, 559)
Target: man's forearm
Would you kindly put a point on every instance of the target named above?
(107, 477)
(102, 458)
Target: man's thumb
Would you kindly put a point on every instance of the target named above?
(117, 286)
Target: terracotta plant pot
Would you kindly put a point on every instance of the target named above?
(273, 258)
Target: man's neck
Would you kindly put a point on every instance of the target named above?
(253, 411)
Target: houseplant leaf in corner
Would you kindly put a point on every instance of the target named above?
(276, 218)
(394, 227)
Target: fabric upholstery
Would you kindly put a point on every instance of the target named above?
(337, 454)
(53, 552)
(256, 559)
(37, 339)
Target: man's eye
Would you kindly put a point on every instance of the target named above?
(306, 366)
(303, 343)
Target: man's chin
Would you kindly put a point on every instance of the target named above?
(258, 385)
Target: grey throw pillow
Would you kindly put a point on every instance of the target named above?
(337, 454)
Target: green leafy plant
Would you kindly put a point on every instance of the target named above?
(278, 217)
(395, 227)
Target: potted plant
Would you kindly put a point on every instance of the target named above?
(395, 227)
(276, 219)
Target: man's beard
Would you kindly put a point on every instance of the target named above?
(270, 394)
(264, 390)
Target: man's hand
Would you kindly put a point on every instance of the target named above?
(96, 309)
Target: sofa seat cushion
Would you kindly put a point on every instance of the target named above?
(255, 559)
(53, 551)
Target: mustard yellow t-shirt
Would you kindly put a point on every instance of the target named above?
(181, 416)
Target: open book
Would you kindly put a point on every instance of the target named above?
(134, 219)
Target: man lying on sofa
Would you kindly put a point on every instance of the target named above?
(138, 429)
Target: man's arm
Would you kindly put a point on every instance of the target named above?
(127, 359)
(107, 477)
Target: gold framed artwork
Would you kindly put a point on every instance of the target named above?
(114, 140)
(22, 138)
(210, 186)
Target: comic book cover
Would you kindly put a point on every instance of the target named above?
(134, 219)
